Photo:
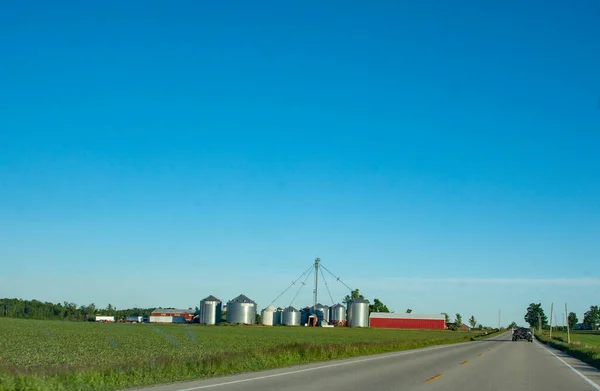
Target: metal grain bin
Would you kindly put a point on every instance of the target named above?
(304, 314)
(210, 310)
(322, 313)
(267, 316)
(277, 315)
(326, 313)
(241, 310)
(290, 317)
(337, 313)
(358, 313)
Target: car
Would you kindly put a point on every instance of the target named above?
(522, 333)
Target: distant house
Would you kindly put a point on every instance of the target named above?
(581, 326)
(463, 327)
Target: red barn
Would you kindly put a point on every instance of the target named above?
(407, 321)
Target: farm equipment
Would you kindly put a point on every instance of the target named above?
(522, 333)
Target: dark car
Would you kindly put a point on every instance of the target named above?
(522, 333)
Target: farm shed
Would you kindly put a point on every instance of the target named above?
(171, 315)
(407, 321)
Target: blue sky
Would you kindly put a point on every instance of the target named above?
(439, 157)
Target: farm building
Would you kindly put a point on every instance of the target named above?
(407, 321)
(171, 315)
(104, 318)
(463, 327)
(134, 319)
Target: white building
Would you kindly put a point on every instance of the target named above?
(134, 319)
(104, 318)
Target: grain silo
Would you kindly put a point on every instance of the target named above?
(210, 310)
(358, 313)
(241, 310)
(337, 314)
(326, 313)
(304, 314)
(322, 313)
(290, 317)
(267, 316)
(277, 316)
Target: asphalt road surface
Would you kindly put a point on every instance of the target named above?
(494, 364)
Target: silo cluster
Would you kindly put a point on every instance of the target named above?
(242, 310)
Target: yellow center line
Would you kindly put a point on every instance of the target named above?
(480, 354)
(433, 377)
(464, 362)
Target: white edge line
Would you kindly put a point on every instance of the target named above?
(412, 351)
(584, 377)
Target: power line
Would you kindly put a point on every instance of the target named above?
(327, 286)
(337, 278)
(301, 286)
(292, 284)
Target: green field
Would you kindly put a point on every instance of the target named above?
(74, 355)
(584, 346)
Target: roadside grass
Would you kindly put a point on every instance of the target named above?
(585, 347)
(54, 355)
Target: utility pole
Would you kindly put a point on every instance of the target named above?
(317, 261)
(499, 315)
(568, 328)
(551, 312)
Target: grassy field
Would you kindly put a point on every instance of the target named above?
(103, 356)
(584, 346)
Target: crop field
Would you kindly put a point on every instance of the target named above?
(72, 355)
(584, 346)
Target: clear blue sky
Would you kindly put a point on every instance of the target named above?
(442, 157)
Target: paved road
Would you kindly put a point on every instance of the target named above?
(494, 364)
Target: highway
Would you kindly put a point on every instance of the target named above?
(494, 364)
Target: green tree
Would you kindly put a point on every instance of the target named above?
(592, 317)
(533, 315)
(458, 320)
(572, 320)
(378, 306)
(447, 317)
(513, 325)
(472, 321)
(355, 294)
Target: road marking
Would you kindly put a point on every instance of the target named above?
(480, 354)
(584, 377)
(433, 377)
(322, 367)
(464, 362)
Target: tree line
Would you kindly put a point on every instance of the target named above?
(35, 309)
(536, 317)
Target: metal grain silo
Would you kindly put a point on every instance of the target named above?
(304, 314)
(210, 310)
(277, 316)
(358, 313)
(337, 313)
(326, 313)
(267, 316)
(322, 313)
(290, 317)
(241, 310)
